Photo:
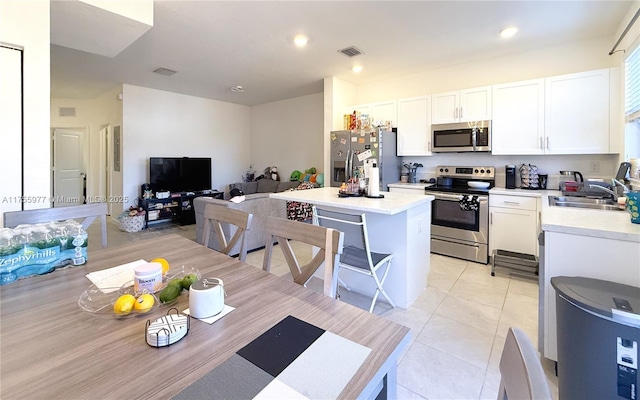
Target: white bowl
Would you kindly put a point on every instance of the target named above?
(478, 185)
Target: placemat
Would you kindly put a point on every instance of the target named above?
(293, 359)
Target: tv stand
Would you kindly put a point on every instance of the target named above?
(178, 208)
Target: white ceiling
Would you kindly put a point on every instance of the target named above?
(214, 45)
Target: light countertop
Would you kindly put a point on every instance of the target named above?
(392, 203)
(579, 221)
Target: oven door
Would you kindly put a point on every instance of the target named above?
(449, 221)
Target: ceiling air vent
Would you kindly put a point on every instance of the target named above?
(164, 71)
(351, 51)
(67, 111)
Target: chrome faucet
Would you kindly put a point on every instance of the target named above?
(604, 189)
(615, 182)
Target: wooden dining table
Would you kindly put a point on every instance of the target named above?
(50, 348)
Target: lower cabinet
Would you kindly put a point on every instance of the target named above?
(513, 224)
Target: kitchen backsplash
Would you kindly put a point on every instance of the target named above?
(605, 164)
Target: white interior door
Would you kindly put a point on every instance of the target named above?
(11, 134)
(68, 167)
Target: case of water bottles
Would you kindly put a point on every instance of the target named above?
(37, 249)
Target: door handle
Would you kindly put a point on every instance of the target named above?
(547, 139)
(460, 112)
(541, 143)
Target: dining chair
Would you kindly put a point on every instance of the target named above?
(328, 241)
(522, 373)
(357, 255)
(215, 216)
(87, 211)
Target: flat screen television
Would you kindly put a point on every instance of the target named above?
(180, 174)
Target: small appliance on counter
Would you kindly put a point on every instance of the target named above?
(529, 178)
(510, 176)
(569, 181)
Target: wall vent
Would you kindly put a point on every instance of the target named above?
(351, 51)
(164, 71)
(67, 111)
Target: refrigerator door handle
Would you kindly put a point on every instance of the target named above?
(347, 166)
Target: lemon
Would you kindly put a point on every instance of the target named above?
(144, 303)
(124, 304)
(164, 263)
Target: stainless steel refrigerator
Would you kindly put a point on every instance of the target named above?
(350, 149)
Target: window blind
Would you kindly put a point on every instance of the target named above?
(632, 86)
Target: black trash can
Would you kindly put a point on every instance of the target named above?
(598, 326)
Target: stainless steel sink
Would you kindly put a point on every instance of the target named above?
(584, 202)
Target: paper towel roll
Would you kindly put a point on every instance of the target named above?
(374, 181)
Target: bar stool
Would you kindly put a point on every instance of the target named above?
(357, 255)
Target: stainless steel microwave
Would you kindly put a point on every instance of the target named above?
(461, 137)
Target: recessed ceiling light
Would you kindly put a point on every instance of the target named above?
(237, 89)
(300, 40)
(508, 32)
(357, 69)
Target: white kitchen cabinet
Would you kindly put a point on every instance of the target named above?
(381, 111)
(414, 126)
(513, 224)
(517, 126)
(385, 111)
(462, 105)
(577, 113)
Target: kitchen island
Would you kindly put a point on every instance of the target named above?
(399, 224)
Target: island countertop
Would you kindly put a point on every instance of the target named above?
(391, 204)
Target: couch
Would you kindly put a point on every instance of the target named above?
(257, 202)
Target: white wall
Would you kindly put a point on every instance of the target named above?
(549, 61)
(25, 24)
(287, 134)
(157, 123)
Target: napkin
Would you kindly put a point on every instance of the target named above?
(111, 279)
(226, 310)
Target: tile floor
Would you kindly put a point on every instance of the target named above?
(458, 325)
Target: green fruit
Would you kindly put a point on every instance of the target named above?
(170, 293)
(177, 282)
(188, 280)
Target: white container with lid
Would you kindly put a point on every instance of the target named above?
(148, 277)
(206, 298)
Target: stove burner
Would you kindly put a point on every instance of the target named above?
(453, 179)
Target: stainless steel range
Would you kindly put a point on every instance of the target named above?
(458, 230)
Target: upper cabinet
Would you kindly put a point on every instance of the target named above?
(414, 126)
(461, 106)
(517, 126)
(577, 113)
(385, 111)
(567, 114)
(378, 112)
